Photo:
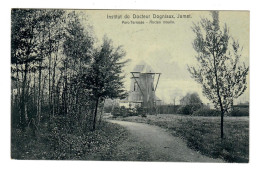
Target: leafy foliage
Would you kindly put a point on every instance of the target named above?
(125, 112)
(204, 111)
(104, 77)
(59, 78)
(167, 109)
(186, 110)
(240, 110)
(78, 43)
(190, 103)
(219, 71)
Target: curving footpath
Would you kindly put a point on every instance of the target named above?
(160, 145)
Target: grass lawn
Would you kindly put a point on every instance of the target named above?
(57, 144)
(203, 134)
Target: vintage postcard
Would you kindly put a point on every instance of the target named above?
(130, 85)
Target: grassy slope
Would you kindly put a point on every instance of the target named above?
(56, 144)
(203, 134)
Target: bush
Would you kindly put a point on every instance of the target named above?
(141, 111)
(132, 112)
(188, 109)
(116, 112)
(167, 109)
(124, 112)
(206, 112)
(108, 109)
(240, 111)
(237, 111)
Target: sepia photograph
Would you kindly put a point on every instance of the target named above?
(130, 85)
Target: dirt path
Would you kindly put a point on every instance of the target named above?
(152, 143)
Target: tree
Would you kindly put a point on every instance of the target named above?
(219, 71)
(24, 51)
(57, 71)
(77, 47)
(104, 78)
(35, 35)
(190, 103)
(192, 99)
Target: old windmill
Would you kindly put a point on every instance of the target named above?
(144, 82)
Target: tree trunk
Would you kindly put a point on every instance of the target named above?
(42, 100)
(50, 92)
(39, 100)
(95, 115)
(22, 103)
(219, 97)
(53, 85)
(222, 125)
(18, 96)
(101, 114)
(65, 92)
(39, 94)
(222, 116)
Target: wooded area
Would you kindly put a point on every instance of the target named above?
(58, 71)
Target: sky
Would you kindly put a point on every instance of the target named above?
(166, 47)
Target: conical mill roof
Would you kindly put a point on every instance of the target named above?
(143, 67)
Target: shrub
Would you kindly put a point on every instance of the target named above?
(206, 112)
(240, 111)
(188, 109)
(124, 112)
(116, 112)
(108, 109)
(132, 112)
(141, 111)
(167, 109)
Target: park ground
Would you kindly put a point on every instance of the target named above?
(203, 134)
(153, 143)
(152, 138)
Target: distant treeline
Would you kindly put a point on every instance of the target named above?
(238, 110)
(168, 109)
